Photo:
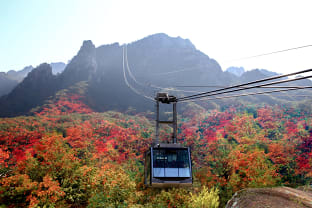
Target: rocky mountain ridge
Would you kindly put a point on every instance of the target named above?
(155, 63)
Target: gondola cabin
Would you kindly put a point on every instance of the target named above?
(167, 164)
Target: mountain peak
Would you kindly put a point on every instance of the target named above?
(43, 70)
(87, 48)
(237, 71)
(163, 40)
(87, 44)
(40, 74)
(81, 67)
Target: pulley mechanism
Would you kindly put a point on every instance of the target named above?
(165, 98)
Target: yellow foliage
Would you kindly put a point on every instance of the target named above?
(114, 187)
(205, 199)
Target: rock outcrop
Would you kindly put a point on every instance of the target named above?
(279, 197)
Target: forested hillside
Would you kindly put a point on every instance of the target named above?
(66, 155)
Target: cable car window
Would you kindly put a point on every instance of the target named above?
(159, 159)
(171, 163)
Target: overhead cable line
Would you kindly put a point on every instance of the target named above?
(301, 95)
(249, 83)
(248, 57)
(126, 66)
(270, 53)
(247, 88)
(150, 85)
(177, 71)
(126, 80)
(287, 87)
(208, 86)
(248, 94)
(129, 70)
(219, 86)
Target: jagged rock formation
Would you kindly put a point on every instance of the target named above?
(81, 67)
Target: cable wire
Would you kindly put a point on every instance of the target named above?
(270, 53)
(209, 93)
(151, 85)
(220, 86)
(252, 87)
(128, 68)
(248, 94)
(126, 80)
(177, 71)
(250, 83)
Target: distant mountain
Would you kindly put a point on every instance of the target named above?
(11, 79)
(57, 67)
(6, 84)
(114, 80)
(237, 71)
(19, 75)
(268, 73)
(39, 84)
(252, 75)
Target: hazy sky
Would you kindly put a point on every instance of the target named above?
(36, 31)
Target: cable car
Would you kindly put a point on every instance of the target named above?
(167, 164)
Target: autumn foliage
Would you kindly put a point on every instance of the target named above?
(68, 156)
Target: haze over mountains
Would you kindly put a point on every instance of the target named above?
(239, 71)
(10, 79)
(99, 75)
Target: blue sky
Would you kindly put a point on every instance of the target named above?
(36, 31)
